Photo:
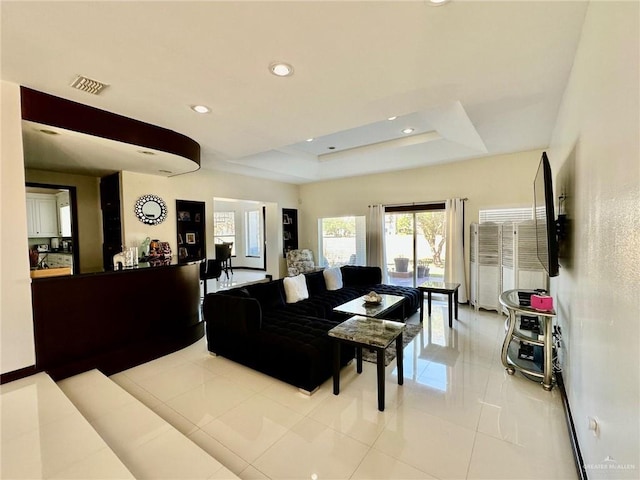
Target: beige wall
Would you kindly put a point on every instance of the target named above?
(595, 156)
(204, 185)
(498, 181)
(89, 221)
(16, 322)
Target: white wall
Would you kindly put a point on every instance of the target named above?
(595, 155)
(203, 186)
(496, 181)
(16, 322)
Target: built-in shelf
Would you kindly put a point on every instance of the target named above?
(190, 218)
(289, 230)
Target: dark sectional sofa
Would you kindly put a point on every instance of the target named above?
(253, 324)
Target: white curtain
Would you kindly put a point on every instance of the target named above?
(375, 239)
(454, 267)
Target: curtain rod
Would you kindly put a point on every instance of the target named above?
(413, 204)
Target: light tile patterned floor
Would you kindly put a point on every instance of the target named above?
(458, 415)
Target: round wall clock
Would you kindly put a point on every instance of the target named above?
(150, 209)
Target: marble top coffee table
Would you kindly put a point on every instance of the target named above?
(371, 333)
(374, 310)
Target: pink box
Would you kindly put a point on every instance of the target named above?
(541, 302)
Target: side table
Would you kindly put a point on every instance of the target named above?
(369, 333)
(450, 289)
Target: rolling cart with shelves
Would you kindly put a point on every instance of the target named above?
(516, 337)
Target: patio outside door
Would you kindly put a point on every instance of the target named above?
(415, 244)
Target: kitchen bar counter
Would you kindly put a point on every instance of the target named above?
(113, 320)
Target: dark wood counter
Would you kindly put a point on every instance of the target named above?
(114, 320)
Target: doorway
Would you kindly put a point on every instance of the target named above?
(242, 223)
(52, 212)
(415, 243)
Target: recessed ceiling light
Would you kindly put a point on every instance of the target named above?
(146, 152)
(437, 3)
(391, 118)
(200, 108)
(49, 132)
(309, 139)
(407, 130)
(281, 69)
(331, 148)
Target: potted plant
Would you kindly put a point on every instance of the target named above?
(423, 268)
(402, 263)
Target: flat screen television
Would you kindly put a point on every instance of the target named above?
(546, 232)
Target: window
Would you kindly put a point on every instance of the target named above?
(224, 228)
(342, 241)
(252, 230)
(501, 215)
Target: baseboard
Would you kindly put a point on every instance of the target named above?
(573, 435)
(18, 374)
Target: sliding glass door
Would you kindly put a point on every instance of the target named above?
(415, 244)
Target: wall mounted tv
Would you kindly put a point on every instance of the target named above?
(546, 231)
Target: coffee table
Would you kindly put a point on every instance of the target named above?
(372, 333)
(450, 289)
(362, 308)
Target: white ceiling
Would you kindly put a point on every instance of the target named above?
(472, 78)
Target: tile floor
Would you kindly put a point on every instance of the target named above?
(458, 415)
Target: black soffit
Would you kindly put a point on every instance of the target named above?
(48, 109)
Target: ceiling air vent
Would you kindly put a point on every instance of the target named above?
(88, 85)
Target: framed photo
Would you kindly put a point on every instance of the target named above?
(191, 238)
(180, 240)
(286, 235)
(286, 219)
(184, 216)
(182, 252)
(196, 217)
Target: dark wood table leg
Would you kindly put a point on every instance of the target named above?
(429, 303)
(421, 305)
(336, 367)
(359, 359)
(455, 301)
(399, 359)
(380, 354)
(450, 302)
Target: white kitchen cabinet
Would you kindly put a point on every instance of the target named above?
(64, 214)
(56, 260)
(42, 215)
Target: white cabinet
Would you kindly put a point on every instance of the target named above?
(56, 260)
(42, 215)
(64, 214)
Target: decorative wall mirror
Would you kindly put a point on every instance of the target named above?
(151, 209)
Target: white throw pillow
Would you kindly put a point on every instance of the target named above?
(333, 278)
(295, 288)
